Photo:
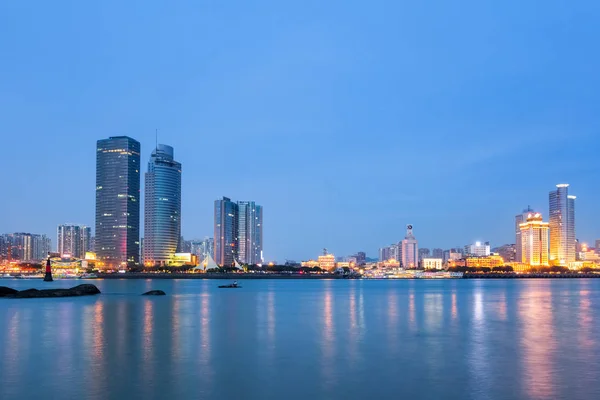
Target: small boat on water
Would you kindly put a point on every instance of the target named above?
(7, 276)
(89, 276)
(234, 285)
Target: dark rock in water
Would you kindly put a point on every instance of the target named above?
(5, 291)
(154, 293)
(80, 290)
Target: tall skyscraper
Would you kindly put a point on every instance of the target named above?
(249, 232)
(226, 219)
(117, 239)
(519, 219)
(478, 249)
(73, 240)
(41, 246)
(562, 226)
(162, 208)
(410, 249)
(437, 253)
(424, 253)
(534, 240)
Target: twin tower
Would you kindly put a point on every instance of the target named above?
(118, 204)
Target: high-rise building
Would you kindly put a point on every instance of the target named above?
(249, 232)
(117, 202)
(409, 249)
(562, 226)
(25, 247)
(519, 219)
(597, 246)
(162, 207)
(534, 240)
(238, 232)
(437, 253)
(384, 254)
(73, 240)
(226, 219)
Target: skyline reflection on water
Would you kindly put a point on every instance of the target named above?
(451, 339)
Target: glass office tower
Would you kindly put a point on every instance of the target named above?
(562, 226)
(162, 208)
(117, 237)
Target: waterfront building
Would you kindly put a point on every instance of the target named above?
(225, 227)
(409, 249)
(562, 226)
(162, 208)
(249, 233)
(534, 241)
(117, 202)
(493, 260)
(361, 258)
(519, 219)
(478, 249)
(395, 252)
(238, 232)
(73, 240)
(437, 253)
(326, 261)
(431, 263)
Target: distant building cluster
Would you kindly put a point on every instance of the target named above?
(537, 244)
(24, 247)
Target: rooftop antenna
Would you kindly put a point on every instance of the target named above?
(156, 139)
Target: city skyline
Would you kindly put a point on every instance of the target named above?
(452, 131)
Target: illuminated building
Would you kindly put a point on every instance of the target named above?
(181, 259)
(225, 231)
(327, 262)
(562, 226)
(493, 260)
(73, 240)
(117, 242)
(410, 249)
(249, 233)
(309, 264)
(431, 263)
(519, 219)
(238, 232)
(534, 240)
(478, 249)
(162, 207)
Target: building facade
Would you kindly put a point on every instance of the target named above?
(249, 233)
(225, 227)
(73, 240)
(162, 207)
(562, 226)
(409, 249)
(117, 239)
(437, 253)
(519, 219)
(534, 241)
(431, 263)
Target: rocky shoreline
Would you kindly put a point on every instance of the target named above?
(79, 290)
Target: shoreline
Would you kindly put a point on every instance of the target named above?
(233, 276)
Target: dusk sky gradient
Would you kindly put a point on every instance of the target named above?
(346, 120)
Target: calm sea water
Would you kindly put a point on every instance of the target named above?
(279, 339)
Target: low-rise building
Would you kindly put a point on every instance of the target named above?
(431, 263)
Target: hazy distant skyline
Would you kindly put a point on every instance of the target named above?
(345, 120)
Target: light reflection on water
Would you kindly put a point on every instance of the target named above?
(306, 339)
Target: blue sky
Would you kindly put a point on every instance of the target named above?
(346, 120)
